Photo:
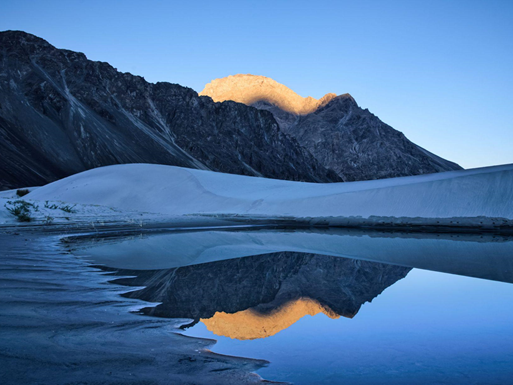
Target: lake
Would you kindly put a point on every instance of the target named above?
(303, 306)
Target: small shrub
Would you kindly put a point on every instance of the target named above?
(22, 192)
(48, 219)
(52, 206)
(20, 209)
(68, 209)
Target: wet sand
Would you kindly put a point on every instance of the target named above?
(62, 323)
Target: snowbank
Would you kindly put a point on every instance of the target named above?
(471, 195)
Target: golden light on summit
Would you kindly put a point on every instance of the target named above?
(250, 324)
(251, 89)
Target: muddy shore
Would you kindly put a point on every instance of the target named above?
(62, 323)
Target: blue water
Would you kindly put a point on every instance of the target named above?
(427, 328)
(448, 321)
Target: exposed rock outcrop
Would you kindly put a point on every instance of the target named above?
(341, 135)
(252, 89)
(61, 113)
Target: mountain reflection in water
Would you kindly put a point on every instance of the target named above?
(485, 256)
(238, 287)
(230, 281)
(250, 324)
(258, 296)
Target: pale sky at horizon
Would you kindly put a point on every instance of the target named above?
(439, 71)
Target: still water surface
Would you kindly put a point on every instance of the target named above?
(332, 306)
(429, 327)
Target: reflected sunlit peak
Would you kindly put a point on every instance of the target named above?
(251, 324)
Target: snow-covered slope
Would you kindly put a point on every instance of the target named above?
(450, 198)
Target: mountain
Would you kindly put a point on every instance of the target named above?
(353, 142)
(61, 114)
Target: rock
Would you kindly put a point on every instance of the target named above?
(353, 142)
(61, 113)
(252, 89)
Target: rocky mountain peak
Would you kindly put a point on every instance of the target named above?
(255, 90)
(23, 41)
(21, 36)
(345, 138)
(61, 113)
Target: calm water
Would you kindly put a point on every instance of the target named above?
(429, 327)
(331, 306)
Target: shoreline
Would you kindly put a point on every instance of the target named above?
(460, 225)
(54, 319)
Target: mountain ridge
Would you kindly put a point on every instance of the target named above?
(340, 134)
(61, 114)
(254, 88)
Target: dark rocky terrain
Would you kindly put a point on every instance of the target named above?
(341, 135)
(61, 113)
(359, 146)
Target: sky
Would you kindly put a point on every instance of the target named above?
(439, 71)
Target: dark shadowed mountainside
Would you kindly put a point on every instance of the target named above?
(342, 136)
(61, 113)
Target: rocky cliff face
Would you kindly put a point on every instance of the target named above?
(61, 113)
(341, 135)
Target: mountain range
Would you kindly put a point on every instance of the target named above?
(61, 114)
(345, 138)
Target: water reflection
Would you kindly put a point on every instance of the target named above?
(481, 256)
(258, 296)
(237, 286)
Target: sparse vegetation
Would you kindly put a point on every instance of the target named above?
(21, 209)
(24, 211)
(48, 219)
(22, 192)
(68, 209)
(52, 206)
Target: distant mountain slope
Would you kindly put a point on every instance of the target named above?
(61, 113)
(341, 135)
